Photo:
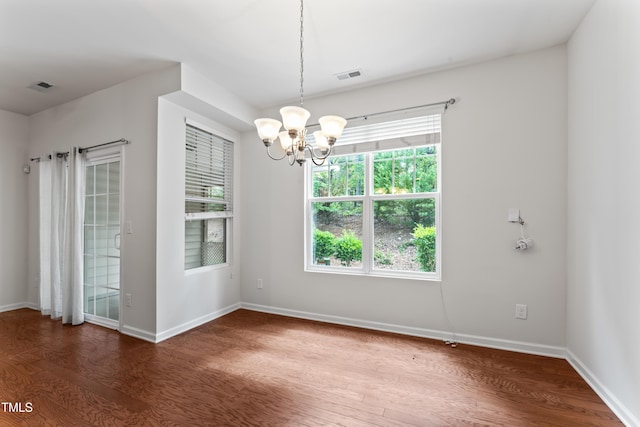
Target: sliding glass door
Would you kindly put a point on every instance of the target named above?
(102, 241)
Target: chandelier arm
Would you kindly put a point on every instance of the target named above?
(315, 158)
(275, 158)
(318, 163)
(321, 156)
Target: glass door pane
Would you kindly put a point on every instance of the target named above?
(102, 241)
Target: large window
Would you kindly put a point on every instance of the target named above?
(377, 211)
(208, 198)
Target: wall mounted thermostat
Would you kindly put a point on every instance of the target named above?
(513, 215)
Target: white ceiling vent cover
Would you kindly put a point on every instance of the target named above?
(41, 86)
(349, 74)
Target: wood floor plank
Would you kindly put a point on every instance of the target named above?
(257, 369)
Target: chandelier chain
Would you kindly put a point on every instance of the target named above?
(293, 139)
(301, 52)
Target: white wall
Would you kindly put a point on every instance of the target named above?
(185, 298)
(504, 146)
(603, 205)
(128, 110)
(13, 208)
(188, 299)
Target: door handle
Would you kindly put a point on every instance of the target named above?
(116, 241)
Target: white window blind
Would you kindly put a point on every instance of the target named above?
(402, 133)
(208, 175)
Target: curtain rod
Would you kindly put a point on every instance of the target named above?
(81, 149)
(61, 154)
(118, 141)
(446, 104)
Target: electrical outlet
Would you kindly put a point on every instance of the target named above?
(127, 300)
(521, 311)
(259, 283)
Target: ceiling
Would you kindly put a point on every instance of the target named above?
(251, 46)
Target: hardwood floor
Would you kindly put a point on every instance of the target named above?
(255, 369)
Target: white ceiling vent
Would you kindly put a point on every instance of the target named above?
(349, 74)
(41, 86)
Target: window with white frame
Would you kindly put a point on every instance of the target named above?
(208, 198)
(374, 207)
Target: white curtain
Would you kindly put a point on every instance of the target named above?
(45, 236)
(61, 223)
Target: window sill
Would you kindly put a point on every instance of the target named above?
(375, 273)
(206, 269)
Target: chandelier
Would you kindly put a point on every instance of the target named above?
(293, 138)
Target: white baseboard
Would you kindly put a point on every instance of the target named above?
(195, 323)
(17, 306)
(138, 333)
(521, 347)
(517, 346)
(601, 390)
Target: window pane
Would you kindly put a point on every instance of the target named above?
(404, 234)
(193, 244)
(89, 300)
(89, 209)
(426, 169)
(101, 209)
(114, 304)
(205, 242)
(113, 271)
(113, 215)
(320, 178)
(89, 270)
(89, 184)
(101, 178)
(101, 240)
(101, 300)
(412, 170)
(101, 270)
(89, 241)
(113, 241)
(114, 177)
(337, 234)
(339, 176)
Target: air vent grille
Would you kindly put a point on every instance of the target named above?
(349, 74)
(41, 86)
